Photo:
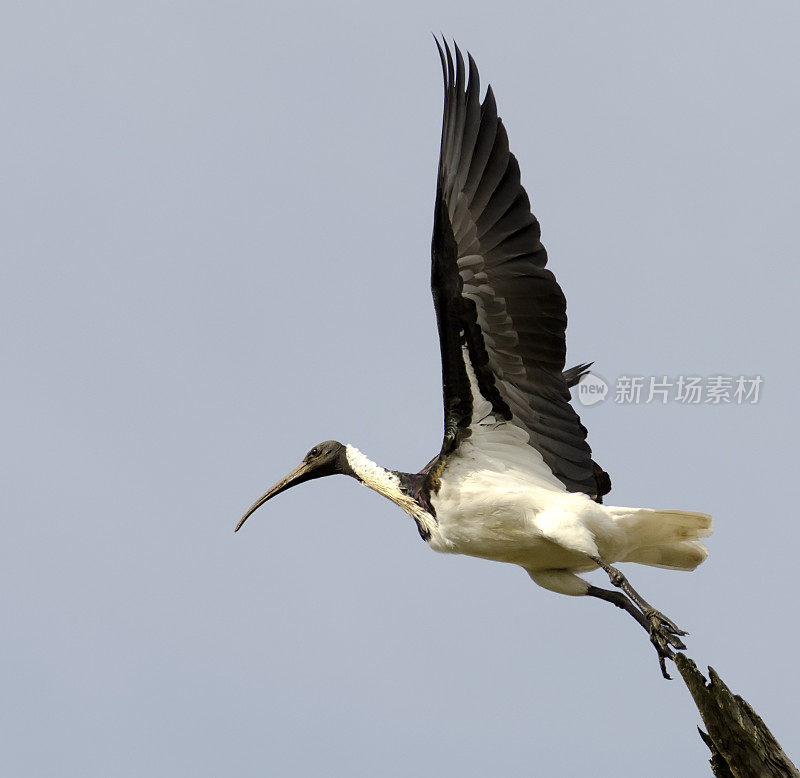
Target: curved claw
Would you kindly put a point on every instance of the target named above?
(654, 616)
(664, 637)
(666, 629)
(663, 650)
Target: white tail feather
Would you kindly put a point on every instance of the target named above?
(666, 538)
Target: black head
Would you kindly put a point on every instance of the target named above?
(326, 458)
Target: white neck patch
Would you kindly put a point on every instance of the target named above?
(374, 476)
(385, 482)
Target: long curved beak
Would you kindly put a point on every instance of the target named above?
(297, 476)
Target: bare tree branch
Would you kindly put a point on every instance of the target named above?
(740, 743)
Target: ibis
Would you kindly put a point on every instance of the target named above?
(514, 480)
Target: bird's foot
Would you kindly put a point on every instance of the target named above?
(664, 635)
(661, 623)
(664, 632)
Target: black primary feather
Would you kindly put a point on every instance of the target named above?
(493, 295)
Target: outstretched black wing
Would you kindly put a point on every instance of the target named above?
(501, 314)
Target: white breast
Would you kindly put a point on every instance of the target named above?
(501, 510)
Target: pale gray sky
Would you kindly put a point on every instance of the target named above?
(215, 254)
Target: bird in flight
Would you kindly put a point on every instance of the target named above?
(514, 480)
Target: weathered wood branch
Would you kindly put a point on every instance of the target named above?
(740, 743)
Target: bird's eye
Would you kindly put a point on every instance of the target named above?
(314, 452)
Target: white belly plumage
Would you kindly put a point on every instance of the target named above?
(526, 517)
(506, 518)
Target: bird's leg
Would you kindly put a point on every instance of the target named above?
(664, 633)
(621, 582)
(621, 601)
